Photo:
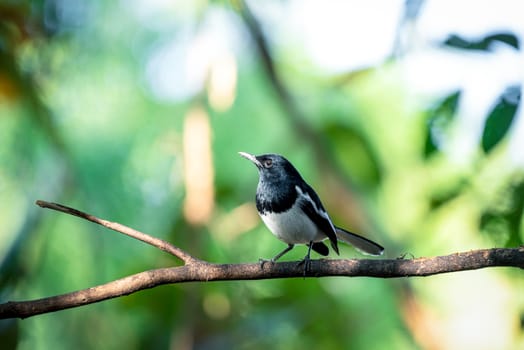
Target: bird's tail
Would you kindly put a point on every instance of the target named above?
(363, 245)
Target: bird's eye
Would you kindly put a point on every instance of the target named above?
(268, 163)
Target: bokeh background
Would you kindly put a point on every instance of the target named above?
(406, 116)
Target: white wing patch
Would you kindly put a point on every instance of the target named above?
(320, 212)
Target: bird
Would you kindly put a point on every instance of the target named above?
(293, 212)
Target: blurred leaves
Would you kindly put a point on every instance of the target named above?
(82, 122)
(344, 138)
(500, 119)
(484, 43)
(439, 121)
(502, 221)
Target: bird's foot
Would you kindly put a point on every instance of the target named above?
(307, 264)
(262, 262)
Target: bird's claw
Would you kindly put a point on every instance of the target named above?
(307, 264)
(404, 255)
(262, 262)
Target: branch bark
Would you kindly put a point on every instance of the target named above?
(196, 270)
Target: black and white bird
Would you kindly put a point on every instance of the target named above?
(292, 211)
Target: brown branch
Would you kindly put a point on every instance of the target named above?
(200, 271)
(155, 242)
(196, 270)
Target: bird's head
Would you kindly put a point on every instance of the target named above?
(273, 168)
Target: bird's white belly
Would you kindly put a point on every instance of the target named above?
(293, 226)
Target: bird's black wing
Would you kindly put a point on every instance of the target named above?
(313, 208)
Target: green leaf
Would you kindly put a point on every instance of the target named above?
(439, 120)
(500, 119)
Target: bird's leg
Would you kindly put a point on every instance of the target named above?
(278, 256)
(307, 259)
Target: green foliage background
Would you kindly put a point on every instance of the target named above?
(80, 126)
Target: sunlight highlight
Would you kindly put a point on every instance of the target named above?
(198, 167)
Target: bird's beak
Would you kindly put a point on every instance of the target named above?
(251, 158)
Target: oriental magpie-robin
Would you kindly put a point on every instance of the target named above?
(292, 211)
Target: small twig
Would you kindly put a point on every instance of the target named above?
(155, 242)
(202, 271)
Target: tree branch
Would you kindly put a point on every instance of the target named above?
(155, 242)
(196, 270)
(200, 271)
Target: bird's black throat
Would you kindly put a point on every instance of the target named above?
(275, 197)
